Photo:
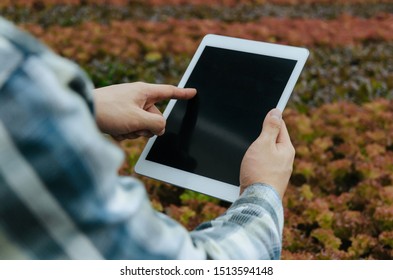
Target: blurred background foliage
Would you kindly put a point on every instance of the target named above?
(339, 204)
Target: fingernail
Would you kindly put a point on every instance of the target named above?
(276, 113)
(162, 132)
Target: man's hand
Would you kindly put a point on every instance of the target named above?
(270, 158)
(129, 111)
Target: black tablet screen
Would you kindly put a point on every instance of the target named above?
(209, 134)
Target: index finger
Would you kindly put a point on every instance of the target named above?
(158, 93)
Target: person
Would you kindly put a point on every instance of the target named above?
(60, 193)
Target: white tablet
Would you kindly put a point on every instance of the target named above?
(238, 82)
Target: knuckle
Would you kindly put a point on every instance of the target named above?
(173, 90)
(140, 84)
(293, 151)
(274, 123)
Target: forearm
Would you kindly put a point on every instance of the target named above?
(250, 229)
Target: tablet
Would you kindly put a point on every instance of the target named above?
(238, 82)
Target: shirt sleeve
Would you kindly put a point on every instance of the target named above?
(250, 229)
(61, 197)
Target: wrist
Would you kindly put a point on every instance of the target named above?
(248, 188)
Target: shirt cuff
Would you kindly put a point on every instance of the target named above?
(262, 195)
(257, 189)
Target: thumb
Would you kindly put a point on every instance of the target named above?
(272, 126)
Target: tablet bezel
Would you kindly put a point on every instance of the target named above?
(197, 182)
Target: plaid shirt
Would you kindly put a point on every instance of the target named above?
(60, 194)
